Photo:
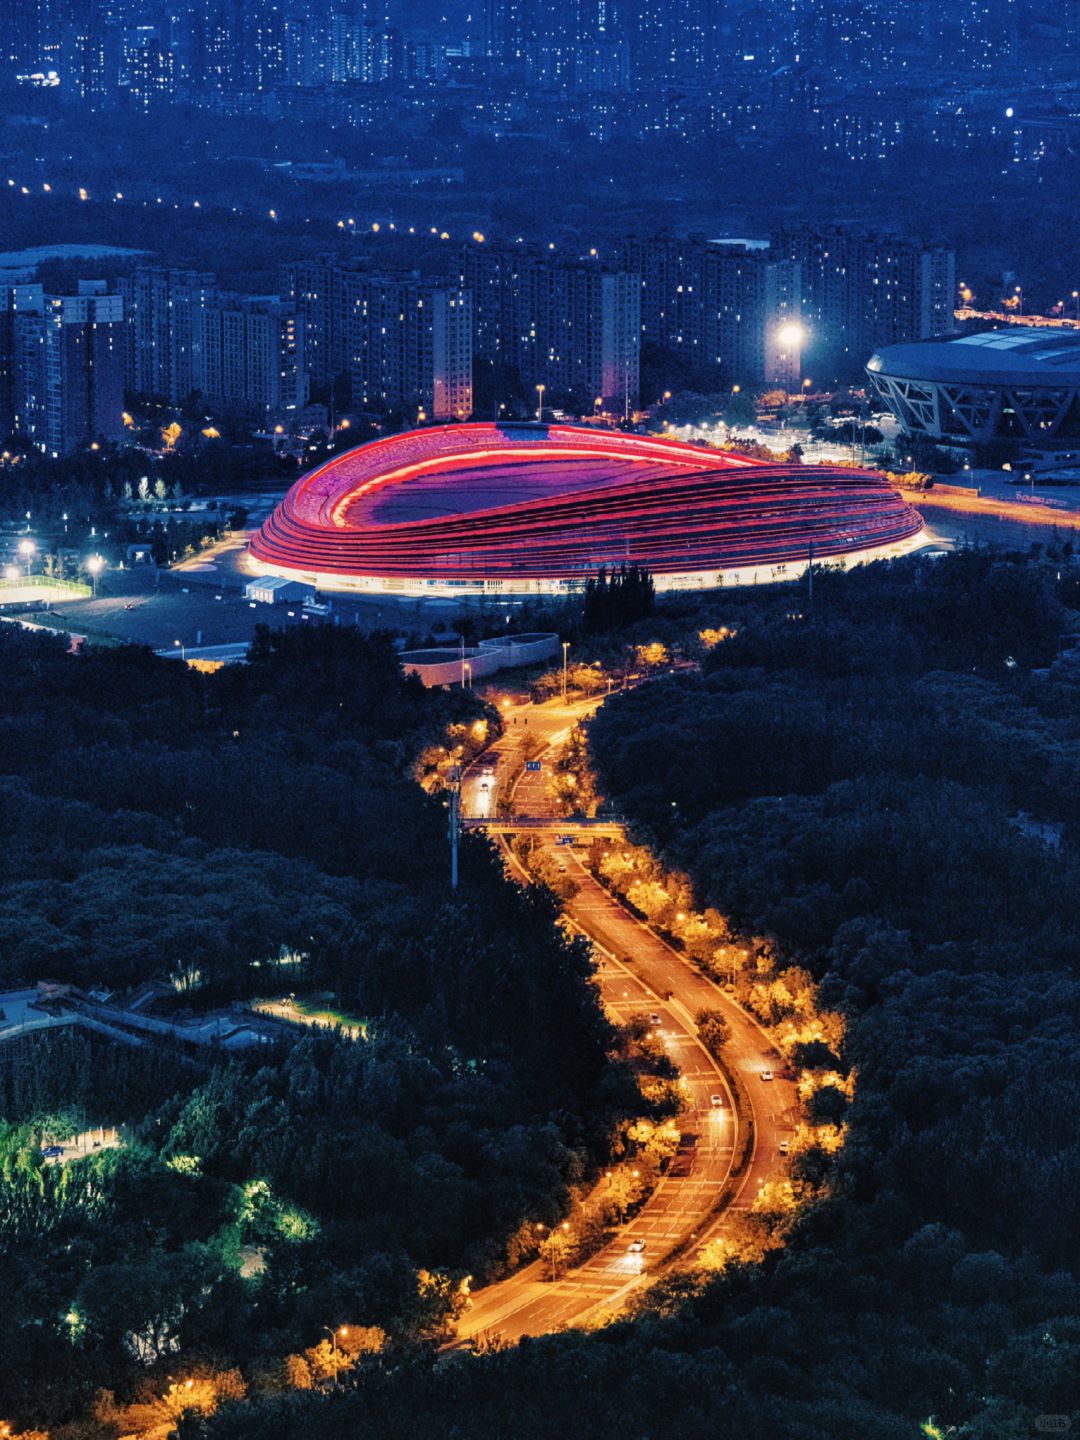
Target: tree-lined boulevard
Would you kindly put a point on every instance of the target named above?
(637, 971)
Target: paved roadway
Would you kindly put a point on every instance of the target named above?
(993, 519)
(637, 972)
(90, 1142)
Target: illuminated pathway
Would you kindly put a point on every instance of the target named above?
(637, 972)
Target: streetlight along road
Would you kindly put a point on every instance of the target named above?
(681, 1210)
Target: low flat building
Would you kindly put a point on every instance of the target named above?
(277, 590)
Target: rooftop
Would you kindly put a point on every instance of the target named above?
(991, 357)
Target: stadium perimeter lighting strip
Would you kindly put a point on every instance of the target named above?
(533, 509)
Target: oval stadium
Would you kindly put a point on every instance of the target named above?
(1019, 384)
(537, 509)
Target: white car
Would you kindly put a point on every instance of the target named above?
(716, 1101)
(766, 1074)
(654, 1019)
(785, 1146)
(635, 1247)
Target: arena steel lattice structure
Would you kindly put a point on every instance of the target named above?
(1021, 384)
(532, 509)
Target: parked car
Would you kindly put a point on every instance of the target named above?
(635, 1247)
(716, 1101)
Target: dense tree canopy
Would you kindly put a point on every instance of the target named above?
(616, 600)
(240, 833)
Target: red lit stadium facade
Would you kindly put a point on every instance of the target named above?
(533, 509)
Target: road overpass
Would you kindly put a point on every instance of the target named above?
(610, 827)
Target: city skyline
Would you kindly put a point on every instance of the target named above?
(391, 340)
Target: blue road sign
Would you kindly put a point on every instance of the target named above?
(532, 764)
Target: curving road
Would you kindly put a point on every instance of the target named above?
(636, 972)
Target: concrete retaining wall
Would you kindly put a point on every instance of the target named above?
(443, 667)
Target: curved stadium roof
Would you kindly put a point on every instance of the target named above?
(1020, 355)
(530, 507)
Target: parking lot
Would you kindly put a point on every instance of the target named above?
(203, 604)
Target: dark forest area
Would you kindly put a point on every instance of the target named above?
(232, 835)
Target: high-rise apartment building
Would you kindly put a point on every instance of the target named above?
(861, 291)
(584, 66)
(86, 75)
(604, 44)
(84, 367)
(7, 363)
(65, 365)
(572, 326)
(511, 26)
(21, 352)
(150, 69)
(26, 309)
(249, 354)
(409, 345)
(404, 342)
(316, 289)
(163, 307)
(31, 34)
(720, 303)
(672, 42)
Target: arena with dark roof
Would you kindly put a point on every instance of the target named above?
(537, 509)
(1020, 384)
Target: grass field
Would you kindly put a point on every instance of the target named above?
(315, 1010)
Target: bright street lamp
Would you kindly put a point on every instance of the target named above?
(342, 1330)
(94, 566)
(182, 648)
(540, 402)
(27, 549)
(550, 1242)
(791, 335)
(565, 648)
